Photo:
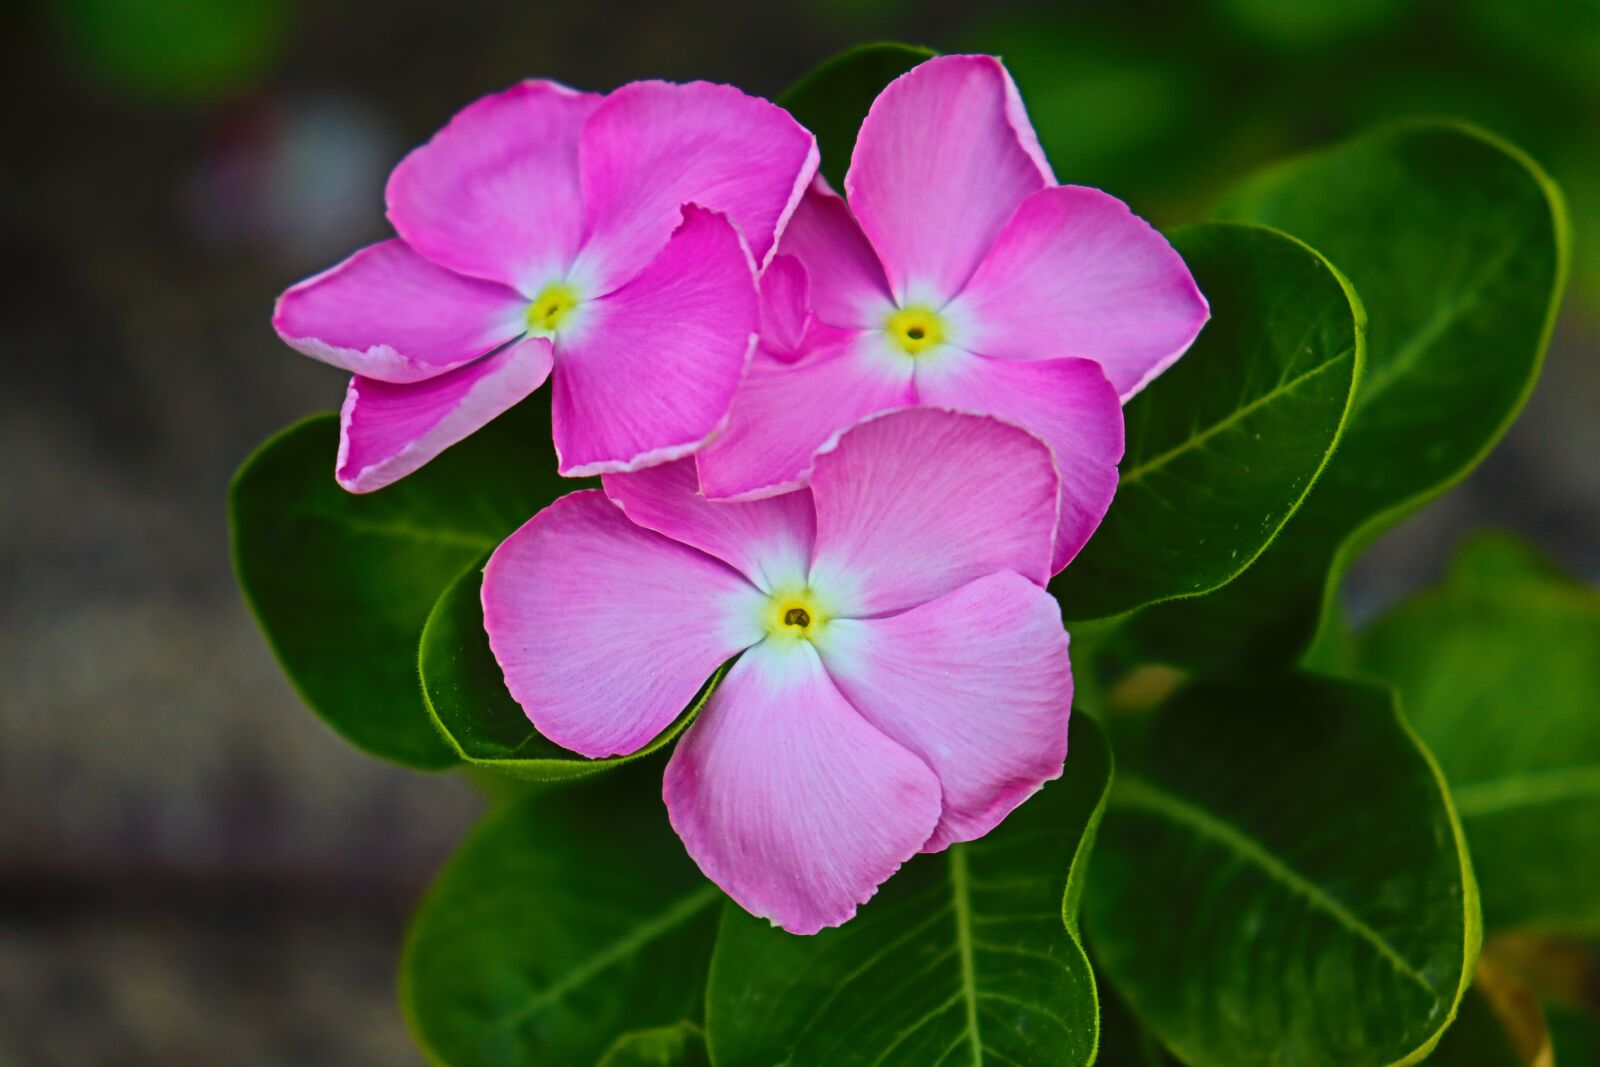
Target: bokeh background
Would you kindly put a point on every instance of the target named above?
(192, 870)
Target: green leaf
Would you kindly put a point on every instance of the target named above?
(1224, 446)
(466, 694)
(342, 584)
(562, 921)
(681, 1045)
(968, 955)
(1498, 670)
(1457, 244)
(1500, 1024)
(1279, 868)
(833, 98)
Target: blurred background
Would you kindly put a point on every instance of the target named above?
(192, 870)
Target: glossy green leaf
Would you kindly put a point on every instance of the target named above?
(967, 956)
(1279, 868)
(1223, 447)
(1498, 670)
(682, 1045)
(832, 99)
(342, 584)
(1457, 245)
(563, 921)
(466, 694)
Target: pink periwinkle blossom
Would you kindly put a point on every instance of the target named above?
(611, 243)
(959, 275)
(902, 680)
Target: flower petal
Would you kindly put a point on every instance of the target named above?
(495, 193)
(1068, 402)
(785, 306)
(977, 683)
(784, 412)
(847, 284)
(605, 631)
(768, 540)
(654, 146)
(943, 159)
(386, 431)
(918, 502)
(389, 314)
(651, 371)
(1077, 274)
(788, 800)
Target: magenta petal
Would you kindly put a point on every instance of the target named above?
(916, 503)
(847, 286)
(389, 314)
(783, 412)
(386, 431)
(650, 373)
(789, 800)
(1077, 274)
(977, 683)
(944, 158)
(653, 146)
(1068, 402)
(495, 194)
(785, 306)
(769, 541)
(605, 631)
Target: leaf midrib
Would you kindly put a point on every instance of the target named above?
(1528, 789)
(961, 903)
(478, 543)
(1134, 791)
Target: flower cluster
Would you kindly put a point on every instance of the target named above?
(845, 440)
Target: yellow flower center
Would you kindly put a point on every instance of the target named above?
(794, 614)
(553, 304)
(914, 329)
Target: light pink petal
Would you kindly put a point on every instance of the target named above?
(789, 800)
(651, 371)
(977, 683)
(605, 631)
(495, 194)
(389, 314)
(769, 541)
(386, 431)
(785, 411)
(785, 306)
(847, 286)
(653, 146)
(944, 158)
(1068, 402)
(1077, 274)
(916, 503)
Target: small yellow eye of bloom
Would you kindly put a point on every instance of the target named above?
(794, 615)
(914, 329)
(554, 303)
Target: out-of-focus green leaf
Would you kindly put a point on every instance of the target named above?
(832, 100)
(680, 1045)
(1279, 869)
(342, 583)
(1499, 672)
(1500, 1024)
(466, 694)
(968, 956)
(1223, 447)
(1456, 244)
(563, 921)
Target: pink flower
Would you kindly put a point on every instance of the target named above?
(607, 237)
(962, 276)
(902, 680)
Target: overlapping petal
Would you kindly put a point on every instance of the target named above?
(788, 799)
(769, 541)
(1068, 402)
(650, 371)
(388, 313)
(495, 194)
(1075, 273)
(653, 146)
(977, 683)
(916, 503)
(605, 631)
(943, 159)
(785, 306)
(847, 286)
(386, 431)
